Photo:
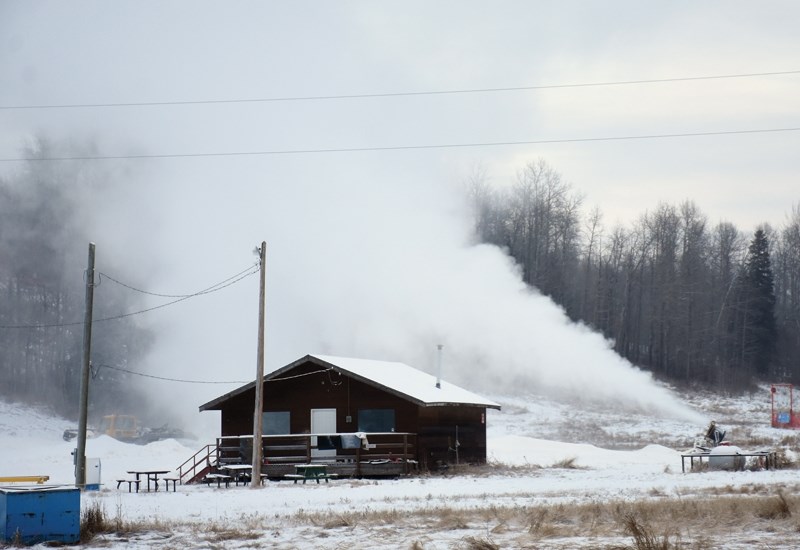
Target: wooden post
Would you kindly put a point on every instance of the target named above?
(83, 413)
(405, 453)
(255, 478)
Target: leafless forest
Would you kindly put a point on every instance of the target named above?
(43, 259)
(691, 299)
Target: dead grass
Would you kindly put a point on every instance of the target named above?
(643, 536)
(225, 535)
(93, 522)
(567, 464)
(650, 525)
(450, 519)
(96, 521)
(537, 523)
(498, 469)
(660, 523)
(339, 520)
(477, 543)
(775, 508)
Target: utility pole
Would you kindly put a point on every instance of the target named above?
(255, 479)
(80, 453)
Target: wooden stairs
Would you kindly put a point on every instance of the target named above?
(198, 465)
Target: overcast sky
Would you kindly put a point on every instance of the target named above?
(360, 237)
(101, 52)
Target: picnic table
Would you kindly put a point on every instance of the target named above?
(305, 472)
(150, 475)
(219, 479)
(238, 472)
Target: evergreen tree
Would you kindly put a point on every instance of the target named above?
(759, 333)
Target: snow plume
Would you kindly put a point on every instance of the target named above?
(378, 267)
(361, 262)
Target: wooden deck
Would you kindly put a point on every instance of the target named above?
(375, 455)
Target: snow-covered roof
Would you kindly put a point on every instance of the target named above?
(405, 380)
(397, 378)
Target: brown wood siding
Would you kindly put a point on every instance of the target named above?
(326, 390)
(437, 435)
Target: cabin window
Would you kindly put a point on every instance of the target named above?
(376, 420)
(276, 423)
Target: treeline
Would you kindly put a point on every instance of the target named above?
(691, 301)
(43, 258)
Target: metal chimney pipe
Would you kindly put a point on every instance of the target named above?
(439, 367)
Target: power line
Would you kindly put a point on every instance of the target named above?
(281, 379)
(171, 379)
(393, 94)
(131, 314)
(398, 147)
(219, 286)
(208, 290)
(205, 381)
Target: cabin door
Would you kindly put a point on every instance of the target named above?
(323, 421)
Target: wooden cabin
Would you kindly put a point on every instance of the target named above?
(314, 406)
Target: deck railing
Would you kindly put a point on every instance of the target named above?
(354, 449)
(198, 464)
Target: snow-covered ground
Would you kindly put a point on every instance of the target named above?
(543, 453)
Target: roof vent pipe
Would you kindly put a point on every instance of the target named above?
(439, 367)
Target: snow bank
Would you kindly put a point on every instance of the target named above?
(517, 450)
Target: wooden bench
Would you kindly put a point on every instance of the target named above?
(297, 477)
(173, 480)
(219, 478)
(131, 483)
(24, 479)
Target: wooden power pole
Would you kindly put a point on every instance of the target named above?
(80, 452)
(255, 479)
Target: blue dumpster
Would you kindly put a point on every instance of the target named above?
(31, 515)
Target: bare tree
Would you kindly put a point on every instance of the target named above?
(787, 297)
(42, 242)
(668, 290)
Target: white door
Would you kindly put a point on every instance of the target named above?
(323, 421)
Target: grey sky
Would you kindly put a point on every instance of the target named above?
(337, 223)
(101, 52)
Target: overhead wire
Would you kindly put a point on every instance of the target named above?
(130, 314)
(208, 290)
(394, 94)
(186, 381)
(127, 371)
(398, 147)
(217, 287)
(275, 152)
